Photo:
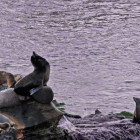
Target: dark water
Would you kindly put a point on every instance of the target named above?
(93, 47)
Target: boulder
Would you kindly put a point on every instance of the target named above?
(32, 120)
(31, 117)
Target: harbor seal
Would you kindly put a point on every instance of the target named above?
(38, 77)
(136, 118)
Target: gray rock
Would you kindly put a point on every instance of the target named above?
(9, 135)
(31, 115)
(104, 127)
(9, 98)
(32, 121)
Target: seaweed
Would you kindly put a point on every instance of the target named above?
(125, 114)
(60, 106)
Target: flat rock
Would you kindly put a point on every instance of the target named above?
(104, 127)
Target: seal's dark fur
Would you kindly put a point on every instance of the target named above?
(39, 76)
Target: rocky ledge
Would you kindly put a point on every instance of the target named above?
(35, 121)
(104, 127)
(38, 121)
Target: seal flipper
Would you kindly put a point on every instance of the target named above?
(25, 90)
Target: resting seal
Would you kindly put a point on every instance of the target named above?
(137, 110)
(9, 78)
(38, 77)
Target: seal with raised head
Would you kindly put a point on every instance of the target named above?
(136, 118)
(38, 77)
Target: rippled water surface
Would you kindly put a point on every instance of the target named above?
(93, 47)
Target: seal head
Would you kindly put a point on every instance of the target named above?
(39, 62)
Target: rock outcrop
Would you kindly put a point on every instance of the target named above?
(32, 120)
(35, 121)
(104, 127)
(39, 121)
(30, 117)
(9, 134)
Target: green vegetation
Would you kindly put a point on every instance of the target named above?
(60, 106)
(125, 114)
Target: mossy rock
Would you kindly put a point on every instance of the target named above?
(125, 114)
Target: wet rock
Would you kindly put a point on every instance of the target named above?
(104, 127)
(33, 121)
(7, 130)
(39, 121)
(3, 86)
(9, 134)
(65, 124)
(31, 117)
